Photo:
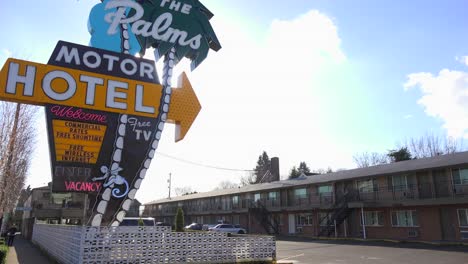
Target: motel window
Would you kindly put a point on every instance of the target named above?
(399, 182)
(463, 217)
(325, 189)
(60, 198)
(373, 218)
(303, 219)
(464, 235)
(324, 218)
(273, 196)
(366, 186)
(235, 200)
(256, 197)
(300, 193)
(404, 218)
(460, 176)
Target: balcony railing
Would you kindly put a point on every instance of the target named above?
(413, 192)
(268, 204)
(377, 193)
(312, 200)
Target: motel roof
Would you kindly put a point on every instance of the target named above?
(455, 159)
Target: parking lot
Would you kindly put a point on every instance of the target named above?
(342, 252)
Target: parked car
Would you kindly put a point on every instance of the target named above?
(135, 221)
(207, 227)
(228, 229)
(194, 226)
(162, 224)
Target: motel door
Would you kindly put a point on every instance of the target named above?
(424, 186)
(447, 225)
(292, 224)
(441, 182)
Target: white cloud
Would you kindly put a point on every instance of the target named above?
(257, 94)
(462, 59)
(408, 116)
(445, 96)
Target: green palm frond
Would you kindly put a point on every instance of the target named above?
(197, 22)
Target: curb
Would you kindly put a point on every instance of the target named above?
(384, 240)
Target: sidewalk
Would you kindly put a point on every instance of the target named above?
(24, 252)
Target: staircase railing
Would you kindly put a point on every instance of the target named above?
(337, 215)
(261, 213)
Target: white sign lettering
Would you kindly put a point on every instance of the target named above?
(160, 29)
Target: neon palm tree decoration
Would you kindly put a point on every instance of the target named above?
(187, 33)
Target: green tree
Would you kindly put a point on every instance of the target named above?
(179, 220)
(263, 165)
(399, 154)
(294, 173)
(141, 222)
(303, 168)
(258, 173)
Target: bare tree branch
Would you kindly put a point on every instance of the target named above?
(226, 185)
(367, 159)
(431, 145)
(17, 139)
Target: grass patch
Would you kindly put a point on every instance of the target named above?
(3, 253)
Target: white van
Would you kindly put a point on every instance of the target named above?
(133, 221)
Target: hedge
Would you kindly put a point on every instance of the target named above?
(3, 254)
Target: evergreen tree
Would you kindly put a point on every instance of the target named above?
(294, 173)
(399, 154)
(179, 220)
(303, 168)
(263, 165)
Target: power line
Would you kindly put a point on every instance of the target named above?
(200, 164)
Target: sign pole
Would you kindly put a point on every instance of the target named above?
(170, 181)
(85, 208)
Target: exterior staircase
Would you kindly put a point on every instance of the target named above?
(264, 217)
(336, 216)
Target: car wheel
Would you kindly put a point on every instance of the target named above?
(241, 232)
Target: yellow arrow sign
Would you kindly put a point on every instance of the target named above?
(39, 84)
(184, 107)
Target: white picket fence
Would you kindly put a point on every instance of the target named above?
(76, 244)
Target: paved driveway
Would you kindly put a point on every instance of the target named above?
(343, 252)
(24, 252)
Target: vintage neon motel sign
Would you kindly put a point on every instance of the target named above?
(105, 108)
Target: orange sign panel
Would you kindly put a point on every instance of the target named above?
(39, 84)
(77, 142)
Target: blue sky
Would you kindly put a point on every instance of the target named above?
(313, 81)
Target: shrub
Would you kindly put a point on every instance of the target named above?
(3, 254)
(179, 220)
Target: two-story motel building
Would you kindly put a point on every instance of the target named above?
(423, 199)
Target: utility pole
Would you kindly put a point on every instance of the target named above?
(169, 182)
